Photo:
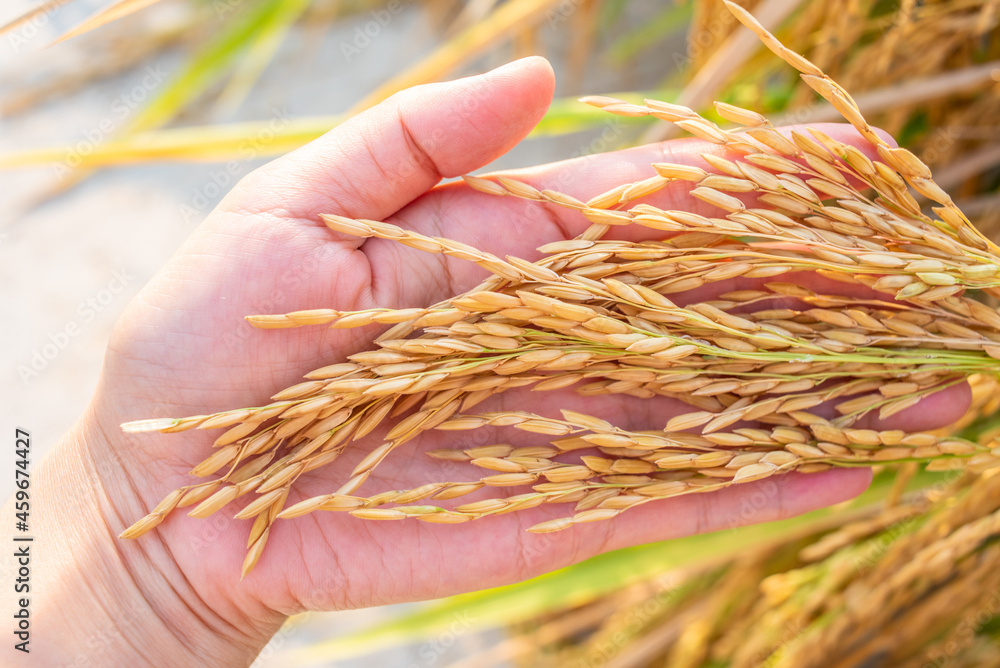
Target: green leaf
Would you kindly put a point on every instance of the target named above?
(219, 143)
(208, 143)
(212, 62)
(260, 53)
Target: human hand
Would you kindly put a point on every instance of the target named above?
(182, 348)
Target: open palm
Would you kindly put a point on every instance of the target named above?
(183, 348)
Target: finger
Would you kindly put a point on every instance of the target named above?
(932, 412)
(496, 550)
(510, 226)
(772, 499)
(821, 285)
(377, 162)
(626, 412)
(588, 176)
(768, 500)
(282, 258)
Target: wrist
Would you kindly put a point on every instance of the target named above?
(99, 600)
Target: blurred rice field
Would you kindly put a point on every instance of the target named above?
(115, 143)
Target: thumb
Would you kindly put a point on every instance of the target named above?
(379, 161)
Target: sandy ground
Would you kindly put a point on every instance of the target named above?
(70, 263)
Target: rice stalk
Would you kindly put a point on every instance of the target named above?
(615, 317)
